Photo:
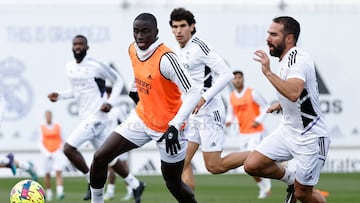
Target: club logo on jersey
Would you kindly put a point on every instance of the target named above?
(16, 90)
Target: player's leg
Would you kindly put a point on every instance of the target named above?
(9, 162)
(27, 166)
(172, 167)
(172, 175)
(187, 174)
(48, 191)
(58, 165)
(212, 137)
(85, 131)
(59, 185)
(251, 141)
(47, 163)
(309, 161)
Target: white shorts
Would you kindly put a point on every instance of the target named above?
(207, 130)
(54, 162)
(309, 155)
(135, 130)
(91, 129)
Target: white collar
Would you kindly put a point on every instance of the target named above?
(145, 54)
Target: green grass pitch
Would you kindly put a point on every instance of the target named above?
(225, 188)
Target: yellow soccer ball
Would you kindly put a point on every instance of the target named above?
(27, 191)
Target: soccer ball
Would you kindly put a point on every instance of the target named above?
(27, 191)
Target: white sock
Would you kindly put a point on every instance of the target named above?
(110, 189)
(266, 184)
(132, 181)
(259, 184)
(24, 165)
(48, 194)
(289, 177)
(59, 190)
(97, 195)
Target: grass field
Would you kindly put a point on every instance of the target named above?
(226, 188)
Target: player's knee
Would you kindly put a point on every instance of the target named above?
(100, 159)
(250, 168)
(68, 150)
(214, 168)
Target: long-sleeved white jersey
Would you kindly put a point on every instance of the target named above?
(206, 68)
(87, 80)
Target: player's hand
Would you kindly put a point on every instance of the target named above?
(275, 107)
(263, 59)
(172, 144)
(105, 107)
(199, 105)
(53, 96)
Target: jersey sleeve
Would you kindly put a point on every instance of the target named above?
(172, 70)
(298, 69)
(220, 69)
(116, 80)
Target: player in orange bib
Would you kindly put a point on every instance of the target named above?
(51, 146)
(159, 114)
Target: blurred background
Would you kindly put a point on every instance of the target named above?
(35, 44)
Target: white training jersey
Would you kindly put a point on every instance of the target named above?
(171, 69)
(87, 80)
(303, 117)
(208, 70)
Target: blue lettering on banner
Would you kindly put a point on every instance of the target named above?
(56, 33)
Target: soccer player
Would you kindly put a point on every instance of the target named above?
(87, 77)
(159, 114)
(9, 161)
(205, 126)
(51, 146)
(249, 108)
(301, 133)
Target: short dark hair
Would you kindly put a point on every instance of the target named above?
(147, 17)
(291, 26)
(238, 72)
(182, 14)
(82, 37)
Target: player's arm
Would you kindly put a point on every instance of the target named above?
(174, 71)
(133, 94)
(275, 107)
(117, 85)
(55, 96)
(221, 69)
(290, 88)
